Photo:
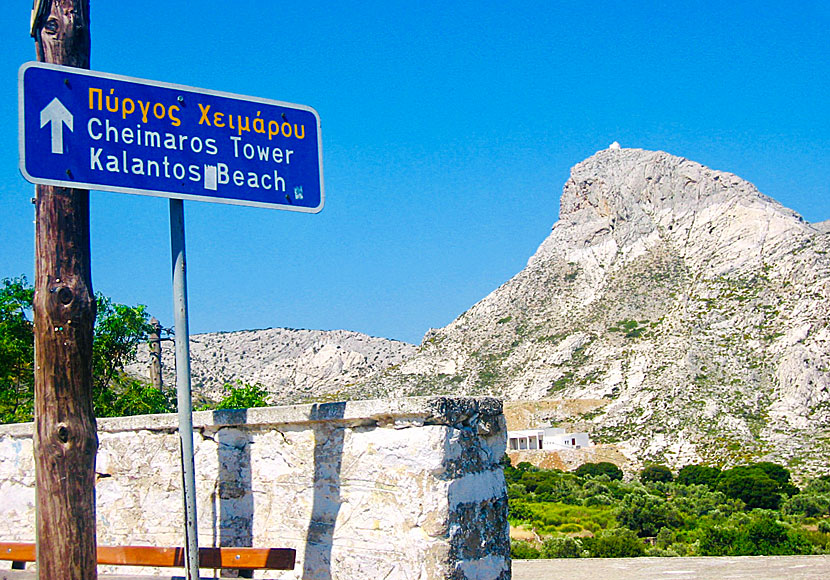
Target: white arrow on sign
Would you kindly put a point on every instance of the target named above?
(58, 115)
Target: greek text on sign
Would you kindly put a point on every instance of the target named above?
(94, 130)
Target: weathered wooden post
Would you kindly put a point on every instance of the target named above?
(154, 341)
(64, 312)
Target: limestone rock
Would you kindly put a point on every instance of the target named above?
(694, 304)
(294, 365)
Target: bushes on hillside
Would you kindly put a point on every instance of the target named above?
(758, 485)
(656, 473)
(762, 534)
(562, 547)
(698, 475)
(616, 543)
(596, 469)
(520, 550)
(704, 511)
(646, 514)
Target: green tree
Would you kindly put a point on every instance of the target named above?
(561, 547)
(775, 472)
(242, 396)
(616, 543)
(652, 473)
(698, 475)
(17, 351)
(761, 534)
(118, 331)
(128, 396)
(751, 486)
(602, 468)
(645, 514)
(520, 550)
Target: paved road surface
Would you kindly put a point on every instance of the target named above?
(723, 568)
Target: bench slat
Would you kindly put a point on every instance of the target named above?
(17, 552)
(246, 558)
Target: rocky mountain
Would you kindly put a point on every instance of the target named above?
(294, 365)
(694, 306)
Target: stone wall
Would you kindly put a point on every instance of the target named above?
(407, 488)
(570, 459)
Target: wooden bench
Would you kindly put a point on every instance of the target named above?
(235, 558)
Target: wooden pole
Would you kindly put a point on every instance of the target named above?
(64, 312)
(154, 342)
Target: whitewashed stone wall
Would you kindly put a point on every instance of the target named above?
(408, 488)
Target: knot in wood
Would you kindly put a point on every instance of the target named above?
(65, 295)
(51, 26)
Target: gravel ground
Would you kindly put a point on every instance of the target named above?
(723, 568)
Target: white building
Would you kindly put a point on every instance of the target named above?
(550, 439)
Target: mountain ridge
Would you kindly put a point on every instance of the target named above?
(295, 365)
(691, 301)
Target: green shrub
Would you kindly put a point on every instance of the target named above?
(525, 466)
(775, 472)
(617, 543)
(695, 501)
(516, 491)
(773, 538)
(562, 547)
(596, 469)
(241, 396)
(806, 505)
(820, 484)
(698, 475)
(665, 538)
(761, 535)
(718, 541)
(654, 473)
(645, 514)
(518, 510)
(551, 517)
(819, 540)
(596, 500)
(824, 526)
(128, 396)
(520, 550)
(751, 486)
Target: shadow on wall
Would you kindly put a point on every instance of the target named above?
(234, 498)
(328, 458)
(233, 525)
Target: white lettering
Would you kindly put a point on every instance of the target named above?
(222, 173)
(95, 158)
(89, 129)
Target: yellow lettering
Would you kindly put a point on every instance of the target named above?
(204, 118)
(175, 121)
(100, 97)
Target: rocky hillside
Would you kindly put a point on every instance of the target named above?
(294, 365)
(694, 305)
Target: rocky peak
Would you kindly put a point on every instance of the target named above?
(620, 202)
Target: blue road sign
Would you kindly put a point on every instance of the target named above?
(93, 130)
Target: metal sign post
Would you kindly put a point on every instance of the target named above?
(183, 395)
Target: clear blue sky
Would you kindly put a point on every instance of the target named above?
(448, 131)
